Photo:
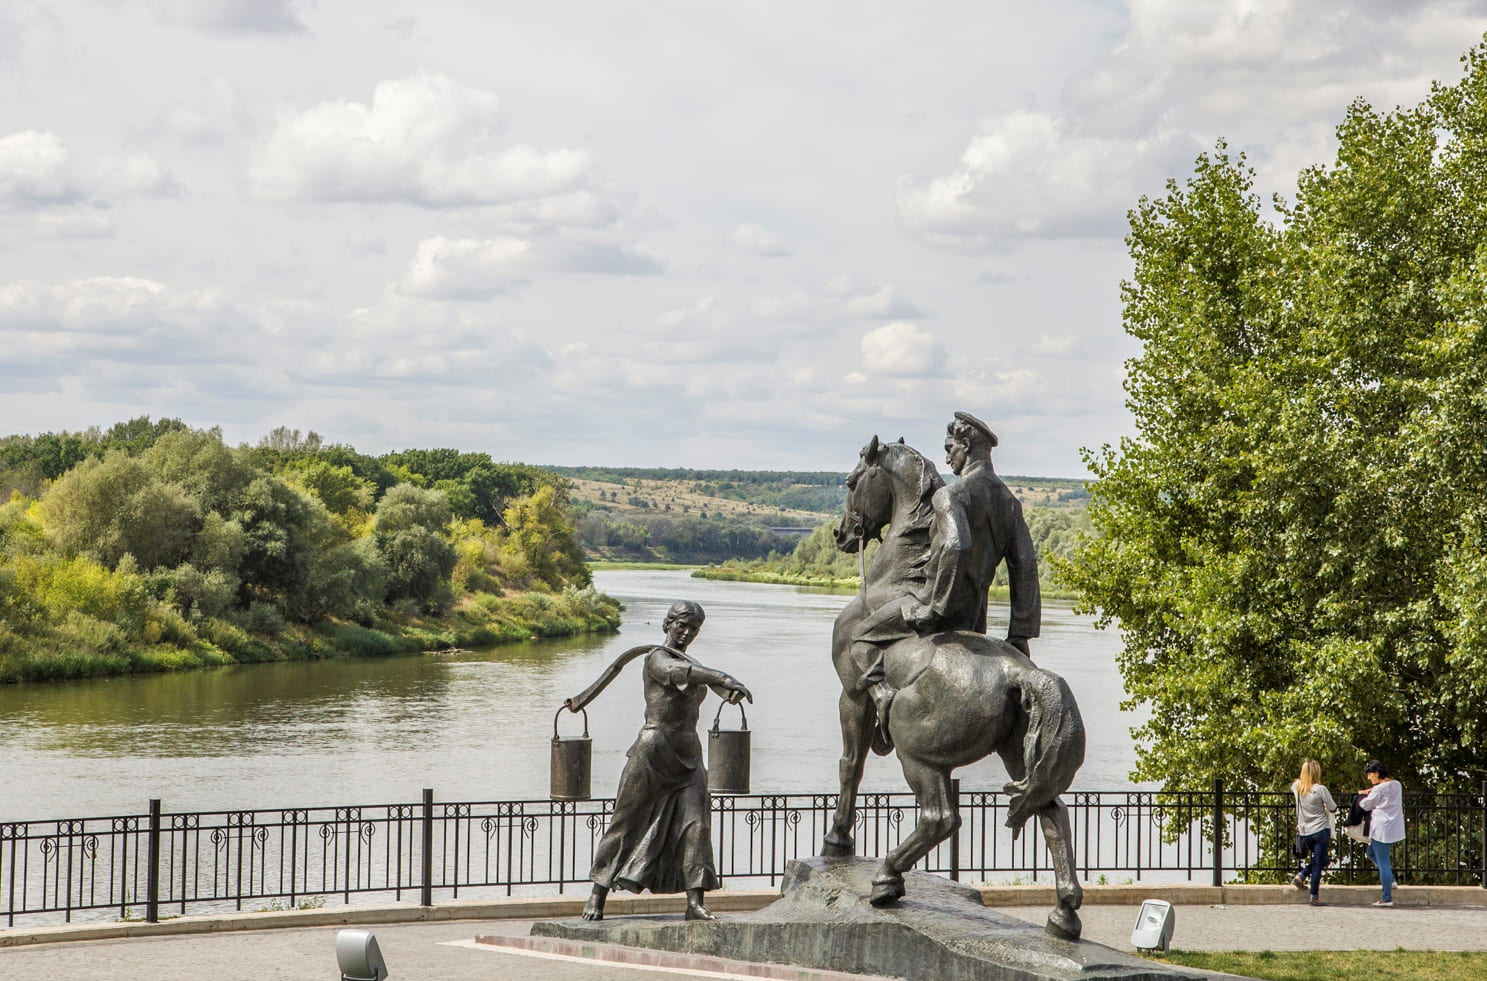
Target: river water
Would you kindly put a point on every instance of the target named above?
(478, 725)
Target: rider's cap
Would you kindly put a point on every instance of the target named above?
(974, 423)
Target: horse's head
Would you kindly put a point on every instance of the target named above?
(887, 476)
(869, 503)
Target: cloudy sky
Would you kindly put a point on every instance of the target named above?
(661, 234)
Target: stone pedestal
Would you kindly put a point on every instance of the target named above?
(823, 920)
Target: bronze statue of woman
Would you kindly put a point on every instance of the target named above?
(659, 837)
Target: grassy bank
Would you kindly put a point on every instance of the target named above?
(731, 573)
(727, 573)
(1329, 965)
(87, 648)
(605, 564)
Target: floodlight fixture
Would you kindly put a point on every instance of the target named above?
(1154, 926)
(358, 956)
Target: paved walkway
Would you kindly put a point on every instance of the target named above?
(442, 951)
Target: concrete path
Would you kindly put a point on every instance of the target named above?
(442, 950)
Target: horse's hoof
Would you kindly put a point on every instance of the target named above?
(1064, 923)
(888, 891)
(834, 847)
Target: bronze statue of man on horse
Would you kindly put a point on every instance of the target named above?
(977, 524)
(918, 672)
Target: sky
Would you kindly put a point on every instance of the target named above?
(733, 235)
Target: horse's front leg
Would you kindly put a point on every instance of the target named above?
(857, 718)
(1063, 921)
(939, 818)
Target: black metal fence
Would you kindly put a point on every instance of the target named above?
(164, 863)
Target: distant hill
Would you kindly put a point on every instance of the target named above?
(773, 496)
(704, 516)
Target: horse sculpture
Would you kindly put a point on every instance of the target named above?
(961, 695)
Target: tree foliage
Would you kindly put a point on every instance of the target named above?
(153, 543)
(107, 509)
(540, 531)
(1295, 543)
(410, 538)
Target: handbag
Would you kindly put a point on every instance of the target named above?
(1355, 825)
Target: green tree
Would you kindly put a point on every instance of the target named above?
(337, 487)
(540, 531)
(283, 532)
(1294, 542)
(138, 434)
(197, 461)
(106, 509)
(349, 580)
(410, 536)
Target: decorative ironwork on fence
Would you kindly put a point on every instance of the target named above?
(174, 863)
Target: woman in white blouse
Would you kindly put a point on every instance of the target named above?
(1386, 800)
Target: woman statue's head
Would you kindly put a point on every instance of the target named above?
(684, 610)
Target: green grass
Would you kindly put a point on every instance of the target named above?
(728, 573)
(1330, 965)
(661, 566)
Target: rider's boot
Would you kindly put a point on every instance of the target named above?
(882, 697)
(875, 683)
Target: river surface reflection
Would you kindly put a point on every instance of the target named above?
(477, 725)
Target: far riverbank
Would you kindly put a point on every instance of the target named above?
(485, 620)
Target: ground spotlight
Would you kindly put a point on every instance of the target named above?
(358, 956)
(1153, 926)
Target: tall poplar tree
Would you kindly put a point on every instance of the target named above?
(1295, 541)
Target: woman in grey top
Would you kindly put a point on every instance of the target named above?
(1314, 813)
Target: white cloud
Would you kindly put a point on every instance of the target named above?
(33, 169)
(841, 296)
(579, 209)
(755, 241)
(425, 140)
(236, 16)
(902, 350)
(1273, 77)
(883, 303)
(1034, 175)
(480, 268)
(78, 222)
(467, 269)
(117, 304)
(115, 338)
(684, 316)
(37, 171)
(214, 115)
(18, 20)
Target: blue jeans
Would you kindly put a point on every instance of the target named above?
(1378, 854)
(1320, 843)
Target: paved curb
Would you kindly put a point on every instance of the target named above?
(1187, 894)
(1127, 894)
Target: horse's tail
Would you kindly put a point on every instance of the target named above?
(1052, 749)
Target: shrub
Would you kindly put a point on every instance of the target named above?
(363, 641)
(263, 619)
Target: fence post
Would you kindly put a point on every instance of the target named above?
(152, 865)
(955, 836)
(427, 897)
(1218, 831)
(1484, 834)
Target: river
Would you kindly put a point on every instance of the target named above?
(477, 725)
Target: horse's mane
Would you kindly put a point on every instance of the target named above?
(922, 512)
